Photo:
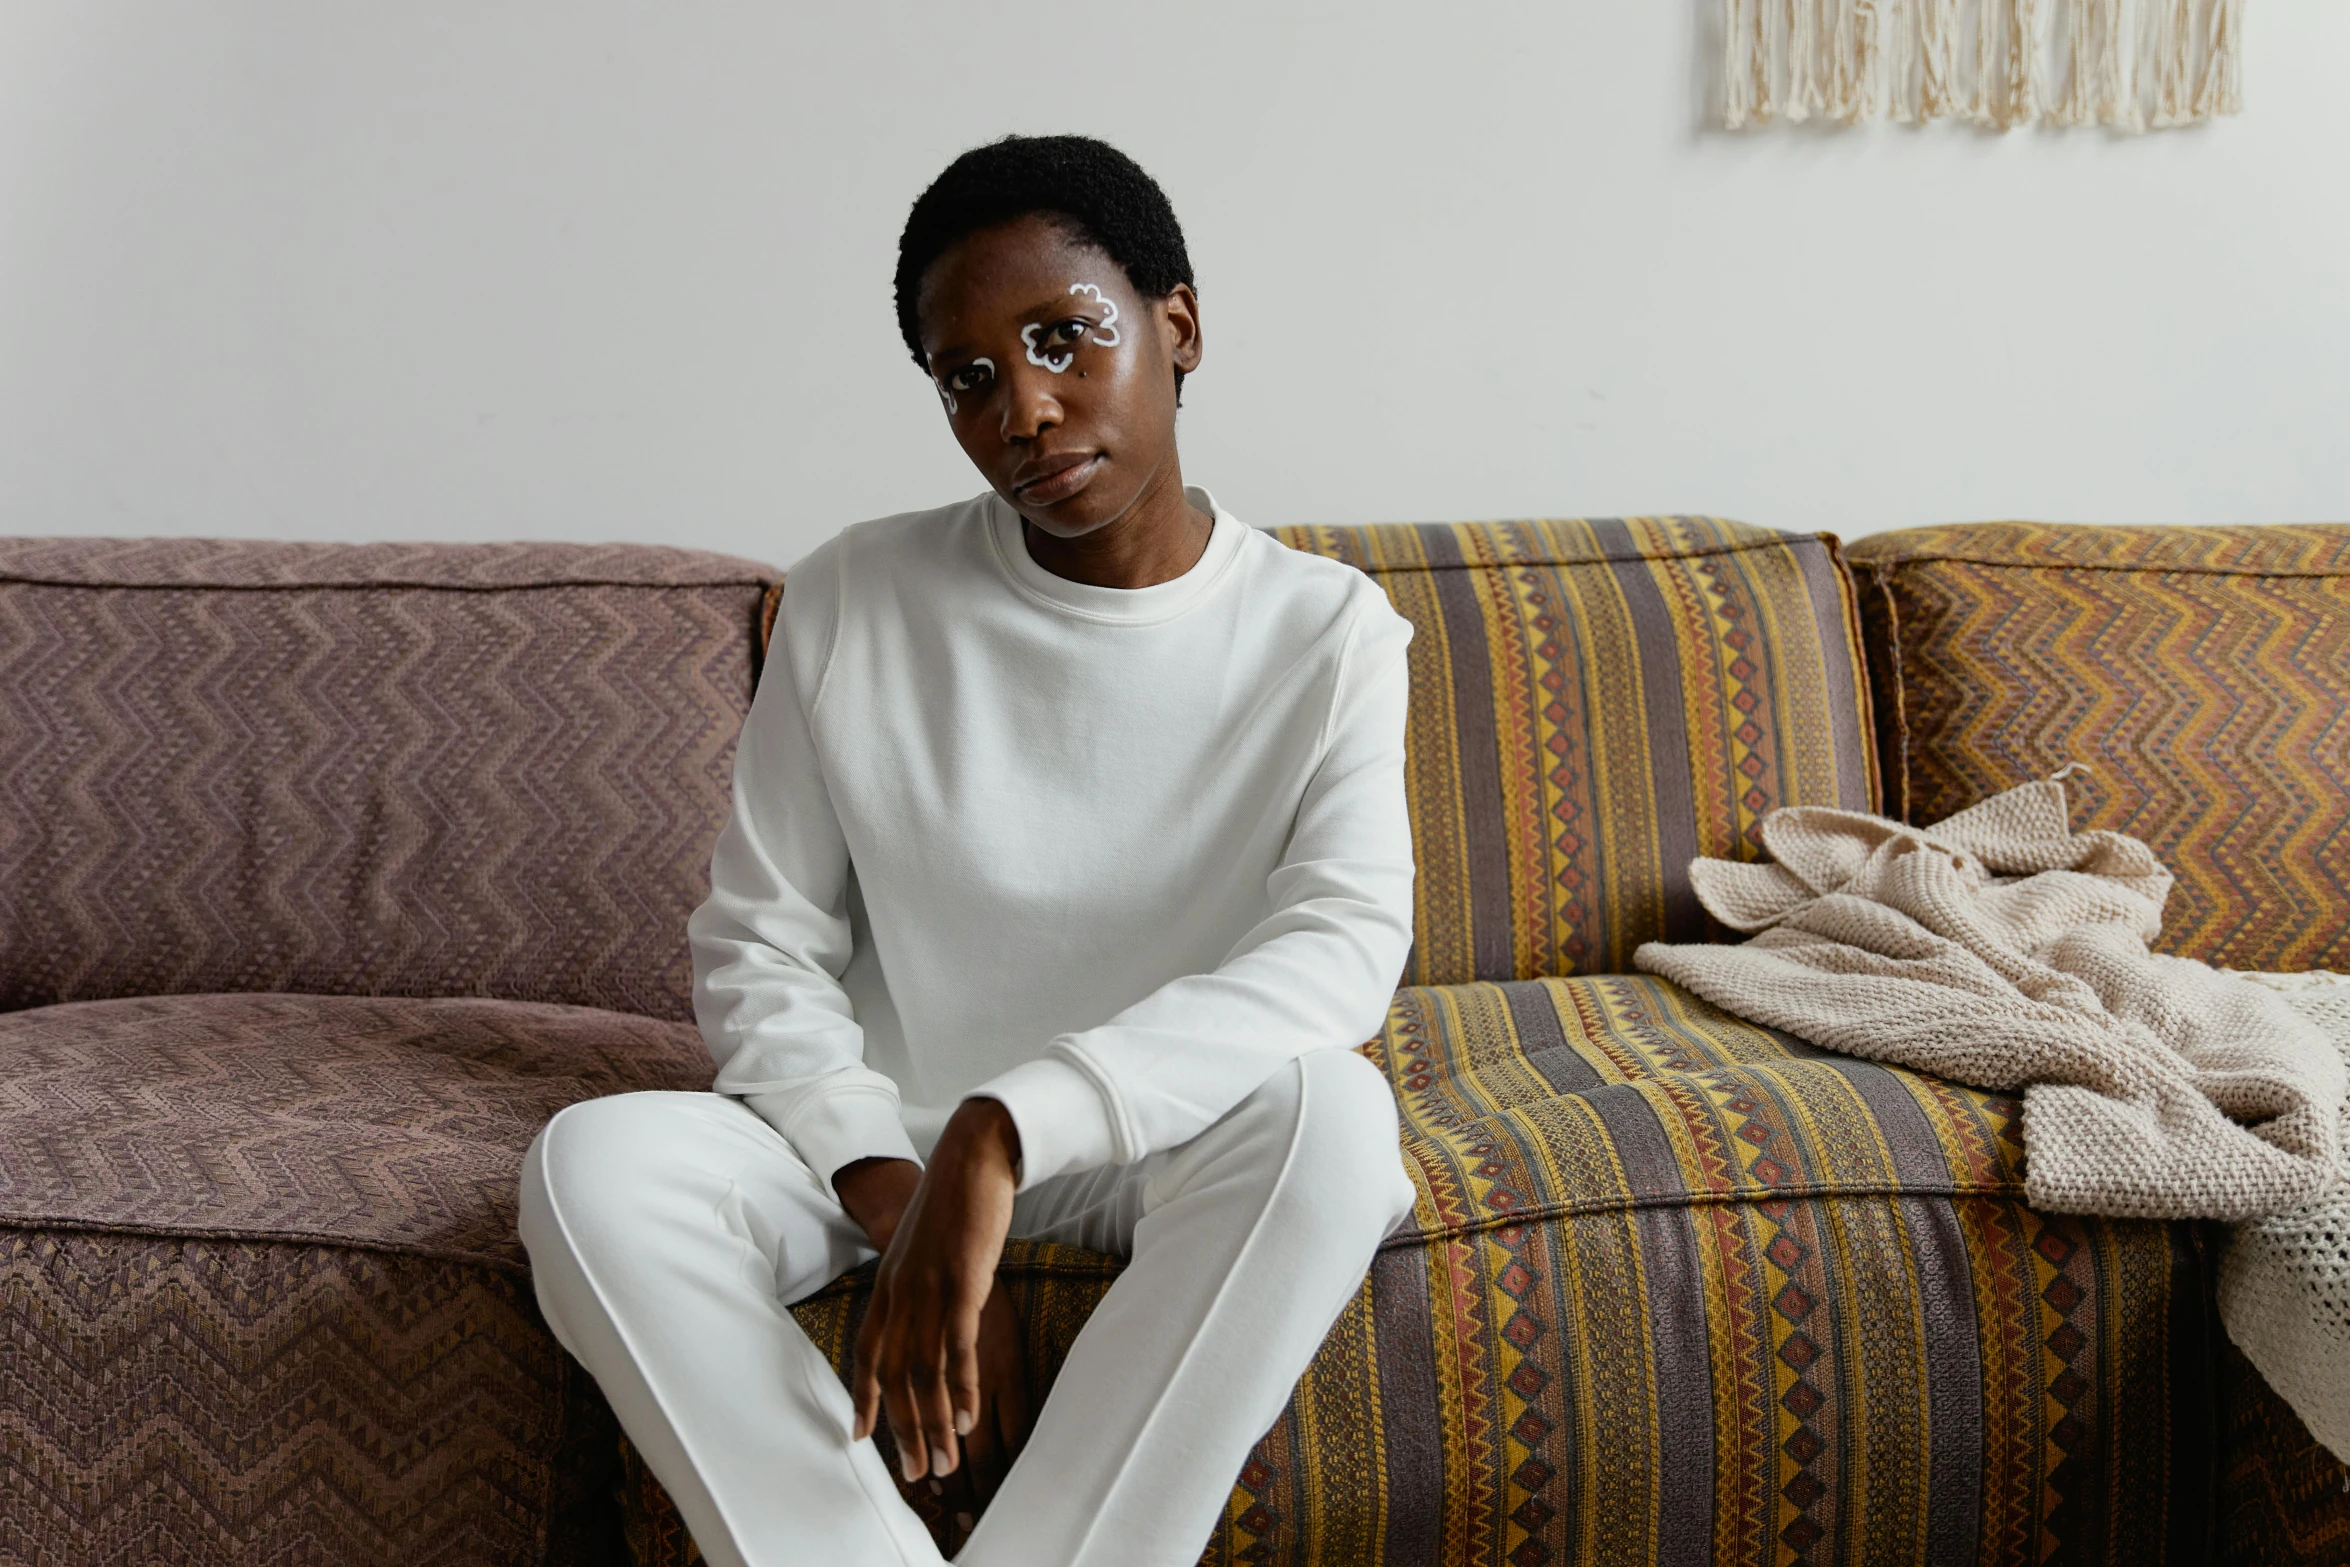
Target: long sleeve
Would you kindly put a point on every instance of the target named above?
(1316, 973)
(771, 941)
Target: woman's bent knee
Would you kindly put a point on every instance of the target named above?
(607, 1166)
(1350, 1140)
(598, 1147)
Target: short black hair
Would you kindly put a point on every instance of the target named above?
(1101, 195)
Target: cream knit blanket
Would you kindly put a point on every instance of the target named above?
(2002, 949)
(2284, 1289)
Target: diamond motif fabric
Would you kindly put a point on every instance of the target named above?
(1680, 1289)
(1596, 703)
(1677, 1290)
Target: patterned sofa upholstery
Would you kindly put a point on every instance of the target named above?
(1679, 1289)
(334, 872)
(331, 874)
(2203, 675)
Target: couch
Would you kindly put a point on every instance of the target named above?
(331, 872)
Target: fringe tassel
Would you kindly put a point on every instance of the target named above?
(2129, 64)
(2222, 91)
(1938, 94)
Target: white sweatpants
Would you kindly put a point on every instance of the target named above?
(667, 1233)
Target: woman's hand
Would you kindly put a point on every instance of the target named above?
(1002, 1429)
(920, 1352)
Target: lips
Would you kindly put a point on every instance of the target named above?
(1049, 480)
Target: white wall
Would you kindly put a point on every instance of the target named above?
(599, 271)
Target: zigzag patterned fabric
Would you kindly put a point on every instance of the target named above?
(1680, 1289)
(1595, 703)
(2202, 673)
(265, 1302)
(392, 769)
(2284, 1500)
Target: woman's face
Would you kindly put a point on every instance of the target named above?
(1058, 380)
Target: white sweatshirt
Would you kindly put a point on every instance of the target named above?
(1110, 856)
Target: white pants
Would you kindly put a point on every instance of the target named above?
(667, 1233)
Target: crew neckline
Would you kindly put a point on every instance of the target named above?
(1128, 606)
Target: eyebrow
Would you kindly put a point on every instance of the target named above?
(1052, 309)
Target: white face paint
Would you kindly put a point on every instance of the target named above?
(1057, 357)
(946, 393)
(1107, 333)
(1054, 359)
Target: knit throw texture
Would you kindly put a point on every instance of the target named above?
(2284, 1287)
(2001, 949)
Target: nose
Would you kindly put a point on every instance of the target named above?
(1030, 406)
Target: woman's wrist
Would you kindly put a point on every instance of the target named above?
(983, 1128)
(876, 1193)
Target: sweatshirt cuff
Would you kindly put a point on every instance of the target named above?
(1063, 1123)
(832, 1131)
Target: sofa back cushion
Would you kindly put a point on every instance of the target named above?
(1594, 704)
(2202, 674)
(422, 770)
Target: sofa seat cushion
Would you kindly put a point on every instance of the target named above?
(385, 1122)
(262, 1295)
(1535, 1098)
(1684, 1290)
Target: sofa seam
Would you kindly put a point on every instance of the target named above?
(36, 1224)
(1573, 1210)
(1898, 679)
(11, 579)
(1857, 650)
(1776, 541)
(1899, 562)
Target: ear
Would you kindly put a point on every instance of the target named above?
(1179, 326)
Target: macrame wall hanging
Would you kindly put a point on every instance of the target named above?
(2131, 64)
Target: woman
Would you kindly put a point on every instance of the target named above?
(1068, 859)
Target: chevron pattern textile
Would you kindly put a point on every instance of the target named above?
(1683, 1290)
(2284, 1500)
(252, 1404)
(1595, 703)
(264, 1299)
(489, 770)
(2201, 673)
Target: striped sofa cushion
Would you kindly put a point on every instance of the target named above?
(1594, 704)
(2202, 673)
(1681, 1289)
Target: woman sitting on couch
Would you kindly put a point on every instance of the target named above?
(1068, 860)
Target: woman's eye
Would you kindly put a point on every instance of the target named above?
(968, 379)
(1069, 332)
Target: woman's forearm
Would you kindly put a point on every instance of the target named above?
(876, 1192)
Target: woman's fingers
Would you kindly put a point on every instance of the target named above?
(882, 1357)
(905, 1423)
(983, 1457)
(1007, 1376)
(901, 1370)
(914, 1387)
(962, 1371)
(934, 1400)
(865, 1375)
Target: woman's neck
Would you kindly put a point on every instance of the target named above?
(1157, 539)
